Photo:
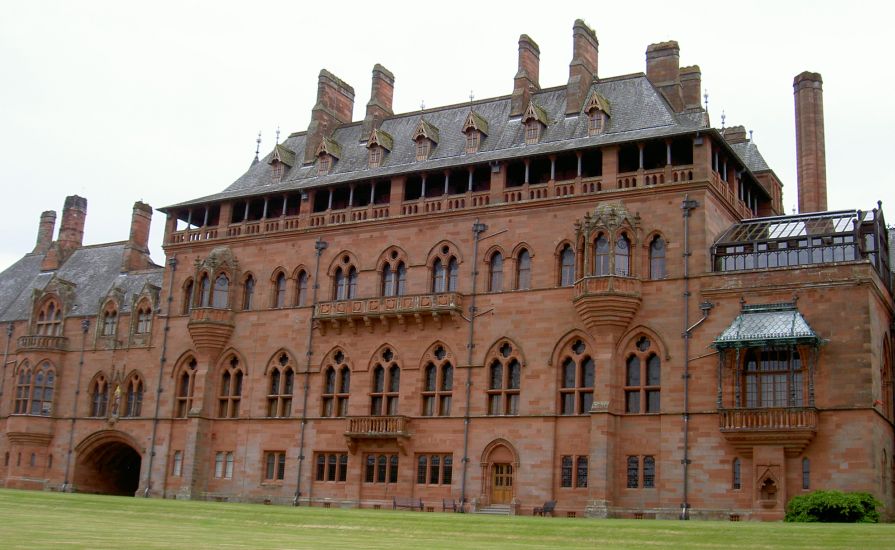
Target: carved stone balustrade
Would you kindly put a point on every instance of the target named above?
(383, 310)
(792, 428)
(377, 427)
(42, 343)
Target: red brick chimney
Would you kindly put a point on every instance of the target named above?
(583, 68)
(663, 70)
(380, 104)
(691, 87)
(71, 232)
(45, 231)
(810, 156)
(335, 105)
(136, 252)
(526, 79)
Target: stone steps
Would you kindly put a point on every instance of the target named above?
(495, 510)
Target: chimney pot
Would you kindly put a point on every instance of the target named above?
(810, 143)
(691, 87)
(45, 230)
(71, 231)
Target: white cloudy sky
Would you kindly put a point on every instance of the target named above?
(161, 101)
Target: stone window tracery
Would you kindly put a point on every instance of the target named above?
(248, 292)
(133, 406)
(279, 290)
(577, 371)
(438, 384)
(386, 385)
(336, 386)
(99, 397)
(345, 280)
(301, 288)
(185, 385)
(281, 387)
(523, 270)
(230, 389)
(49, 319)
(566, 265)
(220, 298)
(657, 258)
(394, 275)
(34, 390)
(642, 378)
(504, 380)
(495, 272)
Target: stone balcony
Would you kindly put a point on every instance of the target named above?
(210, 329)
(792, 428)
(377, 427)
(369, 312)
(42, 343)
(607, 302)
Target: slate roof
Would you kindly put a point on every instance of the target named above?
(94, 270)
(638, 112)
(767, 324)
(750, 155)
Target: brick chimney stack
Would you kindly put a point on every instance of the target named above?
(663, 70)
(691, 87)
(136, 253)
(380, 104)
(335, 105)
(810, 155)
(526, 80)
(71, 232)
(45, 231)
(583, 68)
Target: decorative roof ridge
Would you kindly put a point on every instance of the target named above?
(779, 306)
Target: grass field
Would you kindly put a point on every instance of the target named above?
(50, 520)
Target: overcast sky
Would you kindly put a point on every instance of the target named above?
(161, 101)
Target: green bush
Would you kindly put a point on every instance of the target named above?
(833, 507)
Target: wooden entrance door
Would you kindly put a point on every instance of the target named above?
(501, 483)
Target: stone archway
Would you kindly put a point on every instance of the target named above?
(108, 463)
(500, 467)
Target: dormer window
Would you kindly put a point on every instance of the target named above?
(328, 152)
(594, 122)
(379, 143)
(425, 136)
(276, 171)
(476, 128)
(324, 165)
(375, 156)
(473, 139)
(597, 109)
(534, 120)
(281, 160)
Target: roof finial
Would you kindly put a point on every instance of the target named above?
(471, 96)
(422, 105)
(750, 135)
(706, 97)
(257, 145)
(723, 118)
(278, 134)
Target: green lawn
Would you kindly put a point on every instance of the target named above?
(49, 520)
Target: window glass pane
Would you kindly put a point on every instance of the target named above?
(632, 377)
(649, 471)
(496, 375)
(447, 377)
(652, 401)
(447, 470)
(632, 401)
(566, 472)
(430, 377)
(587, 373)
(421, 468)
(434, 469)
(568, 373)
(587, 400)
(652, 370)
(393, 469)
(378, 379)
(394, 378)
(581, 474)
(513, 375)
(633, 472)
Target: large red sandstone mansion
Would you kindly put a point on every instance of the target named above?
(583, 293)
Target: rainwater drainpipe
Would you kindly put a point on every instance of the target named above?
(161, 371)
(477, 230)
(319, 247)
(686, 207)
(85, 326)
(9, 330)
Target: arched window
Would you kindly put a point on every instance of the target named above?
(567, 266)
(642, 378)
(99, 397)
(187, 297)
(282, 383)
(133, 405)
(204, 291)
(110, 322)
(622, 256)
(394, 279)
(43, 381)
(184, 399)
(23, 389)
(221, 297)
(453, 273)
(495, 272)
(336, 386)
(386, 385)
(445, 270)
(248, 292)
(523, 270)
(49, 320)
(576, 392)
(737, 482)
(504, 377)
(279, 291)
(601, 255)
(144, 318)
(301, 288)
(773, 378)
(439, 274)
(345, 283)
(230, 390)
(438, 385)
(657, 258)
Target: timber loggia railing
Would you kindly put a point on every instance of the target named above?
(783, 418)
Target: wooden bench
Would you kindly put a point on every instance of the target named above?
(408, 503)
(546, 509)
(449, 504)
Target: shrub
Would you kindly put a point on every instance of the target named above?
(833, 506)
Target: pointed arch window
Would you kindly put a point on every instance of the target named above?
(43, 382)
(386, 386)
(444, 275)
(230, 392)
(345, 283)
(281, 387)
(601, 255)
(279, 291)
(657, 258)
(187, 297)
(99, 397)
(438, 385)
(110, 322)
(567, 266)
(336, 387)
(623, 256)
(185, 383)
(576, 392)
(248, 293)
(220, 298)
(301, 289)
(642, 378)
(133, 405)
(23, 390)
(49, 320)
(204, 291)
(144, 318)
(504, 378)
(394, 279)
(523, 270)
(495, 272)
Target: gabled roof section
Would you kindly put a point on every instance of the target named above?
(535, 111)
(596, 101)
(767, 325)
(475, 121)
(283, 155)
(330, 147)
(751, 156)
(426, 130)
(381, 138)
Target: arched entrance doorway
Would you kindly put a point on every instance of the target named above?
(500, 464)
(107, 463)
